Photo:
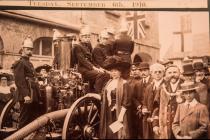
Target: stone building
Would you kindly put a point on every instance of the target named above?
(15, 25)
(187, 34)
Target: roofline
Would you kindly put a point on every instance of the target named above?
(38, 20)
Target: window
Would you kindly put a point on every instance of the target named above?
(43, 46)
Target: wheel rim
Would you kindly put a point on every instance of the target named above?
(83, 120)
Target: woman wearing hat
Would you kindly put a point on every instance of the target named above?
(191, 119)
(5, 93)
(115, 102)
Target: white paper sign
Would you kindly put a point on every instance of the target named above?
(115, 126)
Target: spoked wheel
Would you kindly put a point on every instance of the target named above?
(9, 117)
(82, 119)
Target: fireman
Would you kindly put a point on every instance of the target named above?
(27, 89)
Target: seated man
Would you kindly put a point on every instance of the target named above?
(5, 93)
(83, 54)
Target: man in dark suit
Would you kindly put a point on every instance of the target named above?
(28, 91)
(138, 89)
(83, 54)
(134, 82)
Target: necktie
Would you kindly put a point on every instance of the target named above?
(188, 107)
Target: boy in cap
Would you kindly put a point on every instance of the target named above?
(192, 118)
(28, 91)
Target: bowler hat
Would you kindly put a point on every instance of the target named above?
(143, 65)
(188, 86)
(116, 62)
(188, 69)
(198, 66)
(45, 66)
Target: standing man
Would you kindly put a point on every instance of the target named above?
(157, 72)
(138, 95)
(202, 82)
(134, 82)
(166, 103)
(28, 92)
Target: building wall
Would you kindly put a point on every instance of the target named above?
(14, 31)
(150, 44)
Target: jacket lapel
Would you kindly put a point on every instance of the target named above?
(186, 112)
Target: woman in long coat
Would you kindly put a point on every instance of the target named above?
(115, 102)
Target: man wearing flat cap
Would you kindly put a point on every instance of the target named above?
(166, 102)
(157, 71)
(28, 91)
(192, 118)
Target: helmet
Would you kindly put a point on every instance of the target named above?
(85, 31)
(28, 43)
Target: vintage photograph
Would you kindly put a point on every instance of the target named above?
(104, 74)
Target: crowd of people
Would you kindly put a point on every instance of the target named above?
(151, 101)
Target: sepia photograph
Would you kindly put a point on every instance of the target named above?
(120, 72)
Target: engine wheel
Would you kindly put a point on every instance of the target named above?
(82, 119)
(9, 118)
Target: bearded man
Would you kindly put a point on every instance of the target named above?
(166, 103)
